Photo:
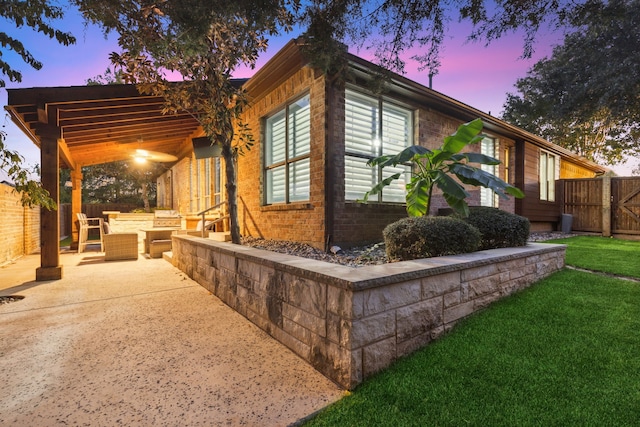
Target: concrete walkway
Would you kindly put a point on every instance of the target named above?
(137, 343)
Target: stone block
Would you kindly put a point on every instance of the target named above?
(306, 294)
(451, 299)
(249, 269)
(372, 329)
(412, 344)
(298, 347)
(332, 360)
(296, 330)
(377, 356)
(338, 330)
(475, 273)
(417, 319)
(457, 312)
(486, 300)
(392, 296)
(441, 284)
(315, 324)
(483, 286)
(340, 301)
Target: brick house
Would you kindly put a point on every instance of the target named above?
(302, 179)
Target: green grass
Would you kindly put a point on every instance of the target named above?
(65, 242)
(603, 254)
(563, 352)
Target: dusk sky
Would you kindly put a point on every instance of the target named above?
(476, 75)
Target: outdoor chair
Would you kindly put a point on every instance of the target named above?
(120, 246)
(85, 224)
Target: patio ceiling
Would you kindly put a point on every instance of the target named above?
(101, 124)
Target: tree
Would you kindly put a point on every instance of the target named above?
(35, 14)
(392, 28)
(204, 42)
(436, 167)
(31, 192)
(121, 182)
(586, 96)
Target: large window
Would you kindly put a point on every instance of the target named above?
(548, 175)
(286, 156)
(374, 127)
(487, 195)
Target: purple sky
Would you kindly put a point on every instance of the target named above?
(472, 73)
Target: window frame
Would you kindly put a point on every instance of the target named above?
(487, 194)
(548, 177)
(382, 105)
(288, 161)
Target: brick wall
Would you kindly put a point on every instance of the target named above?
(19, 227)
(302, 222)
(355, 223)
(326, 217)
(350, 323)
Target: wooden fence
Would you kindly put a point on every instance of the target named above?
(607, 205)
(93, 210)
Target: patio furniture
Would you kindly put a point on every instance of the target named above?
(120, 246)
(158, 240)
(86, 224)
(157, 247)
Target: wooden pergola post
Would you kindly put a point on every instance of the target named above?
(76, 205)
(50, 268)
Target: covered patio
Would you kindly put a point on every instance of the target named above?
(141, 344)
(88, 125)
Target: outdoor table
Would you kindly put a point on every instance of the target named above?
(157, 233)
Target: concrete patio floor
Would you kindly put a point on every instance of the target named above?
(139, 343)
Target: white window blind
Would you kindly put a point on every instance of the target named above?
(488, 148)
(372, 128)
(286, 157)
(548, 175)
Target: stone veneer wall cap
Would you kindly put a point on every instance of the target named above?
(362, 278)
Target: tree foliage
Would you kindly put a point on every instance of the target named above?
(24, 178)
(34, 14)
(203, 43)
(586, 96)
(394, 28)
(121, 182)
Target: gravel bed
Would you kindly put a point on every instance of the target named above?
(353, 257)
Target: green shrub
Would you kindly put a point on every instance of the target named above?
(427, 236)
(499, 229)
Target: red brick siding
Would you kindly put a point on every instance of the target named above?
(302, 222)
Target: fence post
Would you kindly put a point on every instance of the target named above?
(606, 206)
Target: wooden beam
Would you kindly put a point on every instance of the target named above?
(50, 268)
(66, 154)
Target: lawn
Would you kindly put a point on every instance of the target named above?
(603, 254)
(563, 352)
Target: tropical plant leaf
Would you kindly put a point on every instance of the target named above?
(467, 133)
(418, 197)
(459, 206)
(450, 186)
(378, 188)
(406, 155)
(482, 159)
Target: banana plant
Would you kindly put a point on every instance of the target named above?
(438, 168)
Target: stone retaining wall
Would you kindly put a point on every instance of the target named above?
(352, 322)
